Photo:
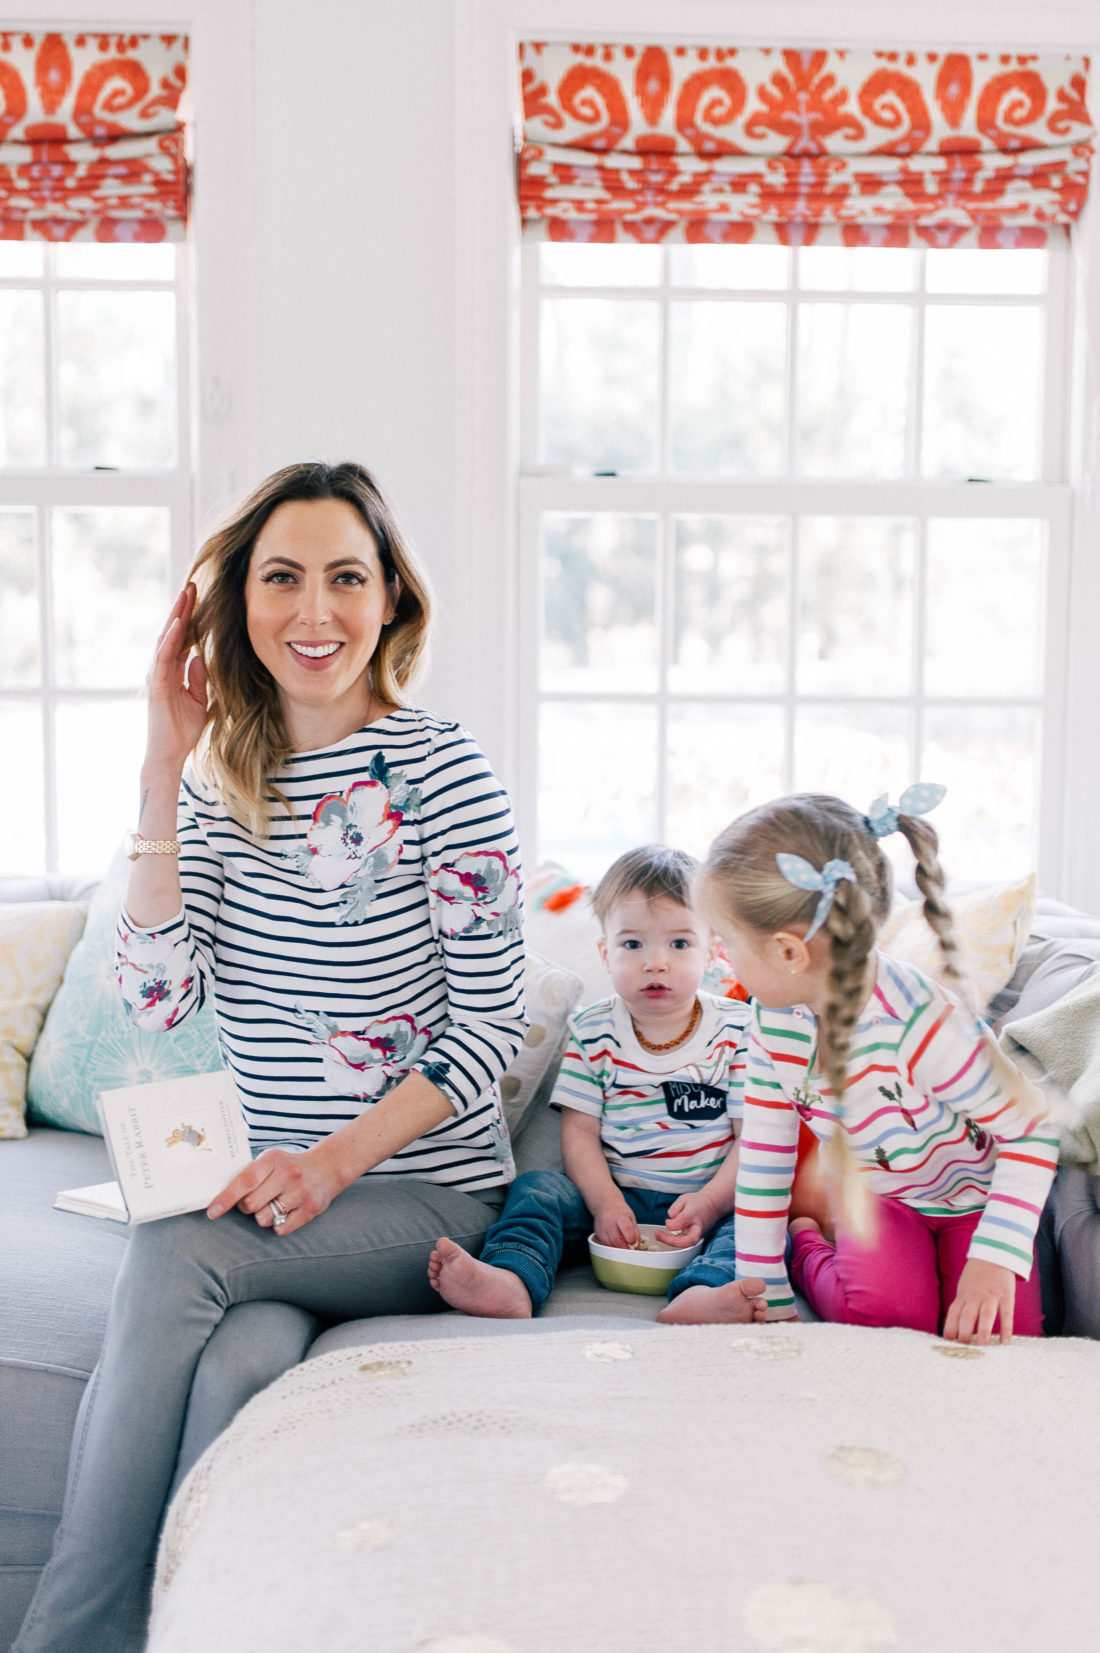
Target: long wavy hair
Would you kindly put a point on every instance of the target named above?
(245, 742)
(741, 882)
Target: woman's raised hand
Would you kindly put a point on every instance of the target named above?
(176, 688)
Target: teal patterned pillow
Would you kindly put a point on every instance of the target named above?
(88, 1043)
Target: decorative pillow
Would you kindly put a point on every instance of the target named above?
(559, 923)
(89, 1043)
(36, 938)
(991, 925)
(552, 992)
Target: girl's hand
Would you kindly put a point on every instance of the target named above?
(689, 1218)
(615, 1224)
(176, 688)
(301, 1183)
(985, 1291)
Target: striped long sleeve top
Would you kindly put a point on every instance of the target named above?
(667, 1119)
(376, 931)
(928, 1116)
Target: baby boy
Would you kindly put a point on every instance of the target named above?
(650, 1093)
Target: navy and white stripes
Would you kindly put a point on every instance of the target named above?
(376, 930)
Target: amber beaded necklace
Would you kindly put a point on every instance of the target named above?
(670, 1044)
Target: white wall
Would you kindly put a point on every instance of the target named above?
(354, 276)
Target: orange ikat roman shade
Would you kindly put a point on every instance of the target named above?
(876, 148)
(91, 136)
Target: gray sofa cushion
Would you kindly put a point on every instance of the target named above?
(55, 1288)
(54, 886)
(1051, 970)
(1062, 951)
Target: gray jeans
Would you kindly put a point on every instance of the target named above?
(204, 1315)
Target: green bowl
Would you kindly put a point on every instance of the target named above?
(649, 1272)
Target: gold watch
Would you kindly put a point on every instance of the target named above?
(137, 845)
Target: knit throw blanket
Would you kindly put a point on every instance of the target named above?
(803, 1488)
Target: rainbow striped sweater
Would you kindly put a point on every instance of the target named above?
(928, 1117)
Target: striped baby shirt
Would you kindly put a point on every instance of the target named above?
(928, 1118)
(666, 1118)
(376, 931)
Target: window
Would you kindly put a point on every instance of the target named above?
(793, 519)
(94, 526)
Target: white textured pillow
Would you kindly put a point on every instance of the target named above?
(991, 926)
(560, 924)
(36, 938)
(551, 992)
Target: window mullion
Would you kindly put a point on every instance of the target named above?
(530, 335)
(1057, 328)
(664, 597)
(663, 456)
(790, 389)
(52, 365)
(915, 438)
(794, 523)
(920, 645)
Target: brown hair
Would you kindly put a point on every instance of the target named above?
(245, 742)
(741, 882)
(651, 871)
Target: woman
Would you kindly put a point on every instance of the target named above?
(339, 872)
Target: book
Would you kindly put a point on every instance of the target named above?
(173, 1144)
(99, 1199)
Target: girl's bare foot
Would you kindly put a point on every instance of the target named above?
(477, 1288)
(736, 1304)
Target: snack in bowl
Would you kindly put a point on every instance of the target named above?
(645, 1267)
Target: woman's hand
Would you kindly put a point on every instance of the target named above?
(303, 1184)
(176, 688)
(985, 1291)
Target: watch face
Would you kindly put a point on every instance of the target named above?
(133, 845)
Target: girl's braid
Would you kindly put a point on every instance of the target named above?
(930, 881)
(851, 929)
(925, 845)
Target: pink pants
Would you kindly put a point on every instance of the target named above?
(908, 1276)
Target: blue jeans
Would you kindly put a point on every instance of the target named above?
(545, 1222)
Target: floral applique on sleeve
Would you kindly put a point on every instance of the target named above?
(476, 893)
(156, 976)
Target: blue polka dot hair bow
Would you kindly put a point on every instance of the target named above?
(800, 873)
(882, 817)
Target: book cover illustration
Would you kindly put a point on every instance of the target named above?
(174, 1143)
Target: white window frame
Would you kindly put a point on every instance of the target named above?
(43, 488)
(217, 375)
(668, 494)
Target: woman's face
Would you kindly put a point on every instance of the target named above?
(316, 600)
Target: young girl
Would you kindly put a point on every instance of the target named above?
(940, 1159)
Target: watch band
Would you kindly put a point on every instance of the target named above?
(151, 846)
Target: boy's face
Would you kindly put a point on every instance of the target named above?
(656, 952)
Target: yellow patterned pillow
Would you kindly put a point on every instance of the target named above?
(36, 938)
(991, 927)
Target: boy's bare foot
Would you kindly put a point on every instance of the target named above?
(736, 1304)
(477, 1288)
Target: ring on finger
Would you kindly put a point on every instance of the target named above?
(279, 1213)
